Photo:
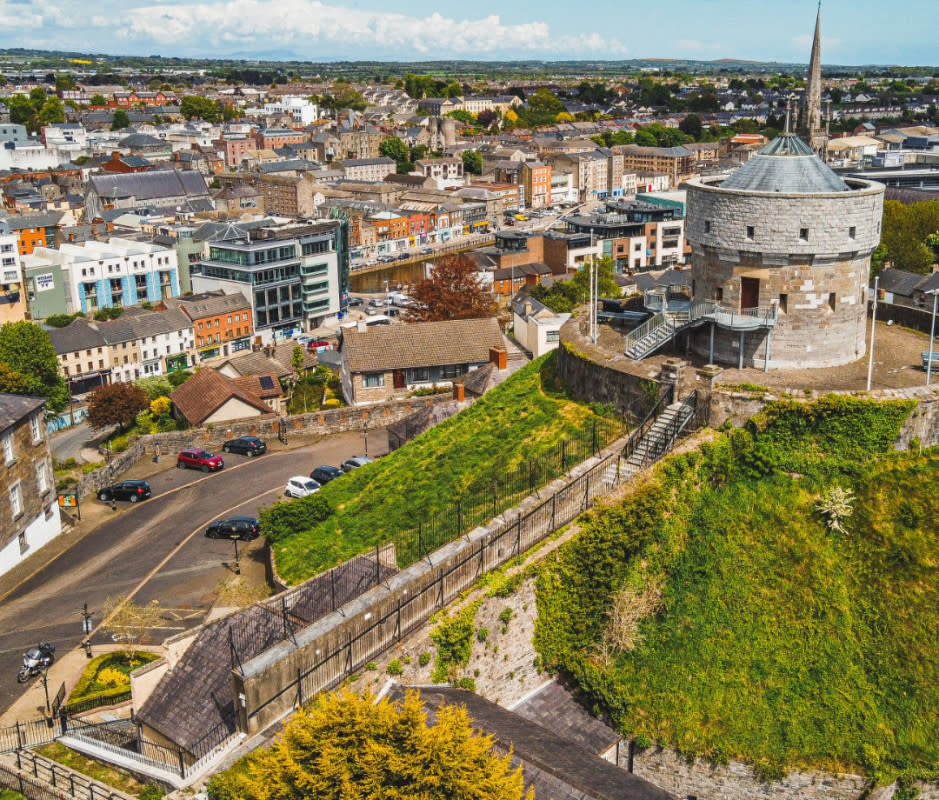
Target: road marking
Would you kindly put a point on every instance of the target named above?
(166, 560)
(167, 493)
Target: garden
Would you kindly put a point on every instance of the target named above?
(771, 598)
(106, 679)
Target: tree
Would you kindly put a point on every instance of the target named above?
(346, 745)
(116, 404)
(564, 296)
(397, 151)
(21, 110)
(52, 111)
(691, 125)
(472, 162)
(155, 386)
(296, 359)
(26, 350)
(350, 98)
(120, 120)
(98, 100)
(64, 83)
(130, 624)
(197, 106)
(453, 291)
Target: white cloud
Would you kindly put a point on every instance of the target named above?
(315, 30)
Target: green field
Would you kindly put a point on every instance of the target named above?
(764, 634)
(514, 431)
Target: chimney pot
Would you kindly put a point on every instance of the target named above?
(497, 356)
(459, 392)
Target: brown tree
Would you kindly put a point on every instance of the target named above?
(453, 291)
(116, 404)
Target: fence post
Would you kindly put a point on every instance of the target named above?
(71, 784)
(459, 515)
(19, 735)
(586, 491)
(518, 536)
(332, 586)
(53, 777)
(19, 765)
(299, 689)
(493, 497)
(420, 539)
(63, 720)
(377, 567)
(182, 767)
(554, 503)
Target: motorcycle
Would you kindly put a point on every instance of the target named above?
(35, 660)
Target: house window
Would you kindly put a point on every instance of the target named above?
(552, 336)
(751, 232)
(852, 232)
(35, 429)
(373, 381)
(16, 501)
(42, 477)
(804, 234)
(229, 319)
(8, 448)
(244, 317)
(418, 375)
(707, 226)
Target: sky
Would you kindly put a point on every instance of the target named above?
(855, 32)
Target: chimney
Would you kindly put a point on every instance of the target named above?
(361, 326)
(528, 308)
(459, 393)
(497, 356)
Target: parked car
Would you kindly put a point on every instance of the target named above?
(199, 459)
(385, 259)
(355, 462)
(319, 345)
(354, 302)
(404, 256)
(125, 490)
(325, 473)
(246, 445)
(244, 529)
(427, 251)
(301, 486)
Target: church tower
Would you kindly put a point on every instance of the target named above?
(812, 129)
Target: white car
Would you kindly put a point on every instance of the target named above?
(301, 486)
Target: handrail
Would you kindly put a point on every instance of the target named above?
(662, 444)
(651, 324)
(646, 425)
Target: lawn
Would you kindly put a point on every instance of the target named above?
(512, 431)
(765, 635)
(99, 771)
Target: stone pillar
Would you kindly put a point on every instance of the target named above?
(672, 371)
(706, 379)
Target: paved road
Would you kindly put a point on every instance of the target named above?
(156, 549)
(68, 443)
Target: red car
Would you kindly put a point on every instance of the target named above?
(199, 459)
(319, 345)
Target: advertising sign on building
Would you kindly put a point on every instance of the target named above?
(45, 282)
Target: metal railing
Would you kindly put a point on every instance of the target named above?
(659, 441)
(665, 400)
(26, 734)
(649, 326)
(64, 780)
(87, 704)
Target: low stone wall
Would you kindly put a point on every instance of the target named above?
(318, 423)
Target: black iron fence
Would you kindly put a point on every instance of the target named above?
(487, 498)
(26, 786)
(92, 702)
(64, 781)
(26, 734)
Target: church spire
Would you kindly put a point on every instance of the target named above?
(813, 87)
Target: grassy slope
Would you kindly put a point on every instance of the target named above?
(521, 419)
(777, 640)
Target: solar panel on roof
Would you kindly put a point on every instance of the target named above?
(267, 382)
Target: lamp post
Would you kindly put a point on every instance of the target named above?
(87, 627)
(932, 334)
(237, 563)
(365, 436)
(43, 676)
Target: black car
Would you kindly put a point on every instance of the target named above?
(125, 490)
(325, 473)
(246, 445)
(244, 529)
(355, 301)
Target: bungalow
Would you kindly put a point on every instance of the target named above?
(209, 397)
(536, 327)
(379, 363)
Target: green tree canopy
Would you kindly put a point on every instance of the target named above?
(564, 296)
(397, 151)
(345, 745)
(906, 229)
(27, 351)
(472, 162)
(116, 404)
(197, 106)
(52, 111)
(98, 100)
(120, 120)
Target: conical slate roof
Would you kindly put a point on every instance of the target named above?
(786, 164)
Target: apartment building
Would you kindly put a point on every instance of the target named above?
(676, 162)
(295, 276)
(441, 169)
(29, 513)
(367, 169)
(357, 143)
(92, 275)
(276, 138)
(536, 181)
(222, 324)
(12, 297)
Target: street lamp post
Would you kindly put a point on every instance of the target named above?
(43, 675)
(365, 436)
(932, 334)
(237, 563)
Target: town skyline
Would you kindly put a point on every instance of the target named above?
(352, 30)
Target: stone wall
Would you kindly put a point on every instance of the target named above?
(319, 423)
(809, 254)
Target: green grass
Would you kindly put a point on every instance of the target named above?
(776, 640)
(519, 421)
(9, 794)
(96, 770)
(88, 685)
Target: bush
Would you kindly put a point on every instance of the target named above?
(394, 667)
(423, 659)
(285, 518)
(160, 406)
(179, 377)
(482, 634)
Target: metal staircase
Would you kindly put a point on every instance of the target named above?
(658, 432)
(664, 325)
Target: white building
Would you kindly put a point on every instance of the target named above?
(121, 272)
(536, 327)
(67, 137)
(302, 110)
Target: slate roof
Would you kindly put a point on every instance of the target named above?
(208, 304)
(786, 164)
(153, 185)
(77, 335)
(14, 407)
(45, 220)
(420, 344)
(205, 392)
(899, 281)
(264, 385)
(553, 766)
(556, 708)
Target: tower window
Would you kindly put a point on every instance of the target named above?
(751, 232)
(784, 303)
(852, 232)
(707, 226)
(832, 300)
(804, 234)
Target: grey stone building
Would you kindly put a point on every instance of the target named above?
(780, 260)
